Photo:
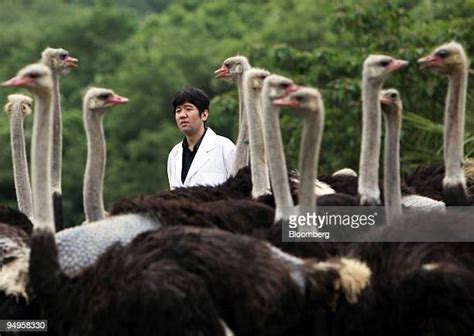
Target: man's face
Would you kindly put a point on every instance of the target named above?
(188, 119)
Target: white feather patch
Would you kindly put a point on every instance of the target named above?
(14, 275)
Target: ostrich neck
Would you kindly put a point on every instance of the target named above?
(454, 127)
(95, 166)
(56, 137)
(309, 156)
(41, 162)
(258, 159)
(276, 156)
(392, 191)
(20, 164)
(371, 132)
(241, 157)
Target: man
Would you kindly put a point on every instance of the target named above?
(203, 157)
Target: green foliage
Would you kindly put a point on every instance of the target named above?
(146, 50)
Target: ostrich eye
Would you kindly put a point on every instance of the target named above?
(62, 56)
(393, 95)
(104, 96)
(385, 63)
(285, 85)
(227, 64)
(442, 53)
(34, 75)
(299, 98)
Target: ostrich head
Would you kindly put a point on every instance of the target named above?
(446, 59)
(58, 60)
(255, 77)
(278, 86)
(18, 101)
(34, 77)
(302, 100)
(99, 99)
(233, 68)
(378, 67)
(390, 100)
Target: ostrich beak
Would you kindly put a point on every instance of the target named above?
(397, 64)
(222, 72)
(385, 101)
(15, 82)
(428, 61)
(285, 102)
(71, 62)
(117, 100)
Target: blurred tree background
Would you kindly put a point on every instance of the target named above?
(146, 50)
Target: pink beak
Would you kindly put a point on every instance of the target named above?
(222, 72)
(71, 62)
(284, 102)
(117, 100)
(428, 61)
(397, 64)
(385, 101)
(15, 82)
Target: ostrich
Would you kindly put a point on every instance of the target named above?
(275, 87)
(393, 201)
(233, 69)
(17, 108)
(96, 103)
(169, 277)
(252, 89)
(307, 102)
(60, 63)
(392, 112)
(376, 70)
(450, 60)
(37, 78)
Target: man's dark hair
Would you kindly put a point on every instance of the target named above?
(195, 96)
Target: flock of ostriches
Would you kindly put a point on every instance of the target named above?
(210, 260)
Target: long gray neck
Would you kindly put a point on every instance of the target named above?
(258, 159)
(309, 155)
(275, 155)
(57, 139)
(20, 163)
(392, 191)
(241, 158)
(454, 139)
(370, 150)
(95, 166)
(41, 162)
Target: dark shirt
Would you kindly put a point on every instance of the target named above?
(188, 156)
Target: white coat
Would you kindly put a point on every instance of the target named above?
(211, 165)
